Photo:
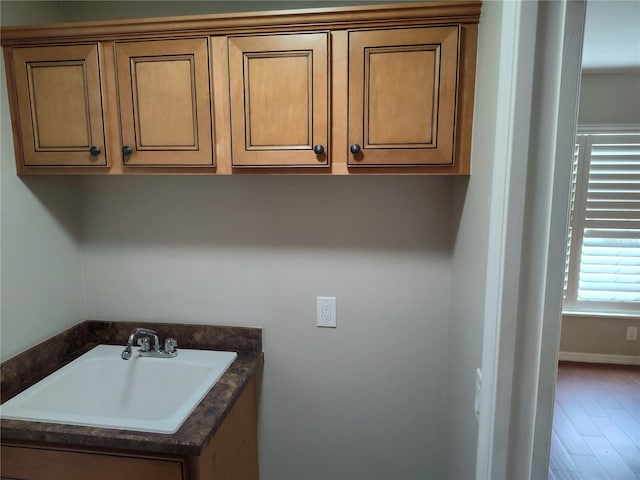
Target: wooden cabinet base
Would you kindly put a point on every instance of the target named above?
(35, 463)
(232, 454)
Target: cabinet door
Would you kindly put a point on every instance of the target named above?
(279, 99)
(60, 105)
(164, 97)
(402, 96)
(47, 463)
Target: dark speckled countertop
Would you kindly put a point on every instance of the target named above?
(25, 369)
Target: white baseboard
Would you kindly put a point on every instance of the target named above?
(599, 358)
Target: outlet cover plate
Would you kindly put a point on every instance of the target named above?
(326, 312)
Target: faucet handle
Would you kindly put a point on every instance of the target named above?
(145, 346)
(170, 345)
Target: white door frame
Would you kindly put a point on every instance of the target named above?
(540, 59)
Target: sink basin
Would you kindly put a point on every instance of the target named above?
(100, 389)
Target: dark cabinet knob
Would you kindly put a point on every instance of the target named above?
(94, 151)
(318, 149)
(355, 149)
(126, 150)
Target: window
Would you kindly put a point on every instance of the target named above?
(602, 271)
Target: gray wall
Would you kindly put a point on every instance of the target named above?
(471, 242)
(605, 99)
(610, 98)
(40, 272)
(599, 335)
(79, 11)
(366, 400)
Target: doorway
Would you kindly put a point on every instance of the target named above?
(596, 426)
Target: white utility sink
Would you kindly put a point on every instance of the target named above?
(100, 389)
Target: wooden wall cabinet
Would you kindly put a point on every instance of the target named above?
(352, 90)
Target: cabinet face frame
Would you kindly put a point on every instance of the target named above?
(258, 140)
(44, 76)
(425, 135)
(144, 124)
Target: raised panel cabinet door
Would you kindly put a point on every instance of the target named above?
(59, 105)
(165, 102)
(279, 99)
(402, 96)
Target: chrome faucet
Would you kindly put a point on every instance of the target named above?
(169, 350)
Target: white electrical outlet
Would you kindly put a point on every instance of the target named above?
(326, 312)
(632, 334)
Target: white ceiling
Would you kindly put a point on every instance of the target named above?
(611, 35)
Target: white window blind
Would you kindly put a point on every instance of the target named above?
(603, 260)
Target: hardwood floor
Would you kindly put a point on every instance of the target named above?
(596, 423)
